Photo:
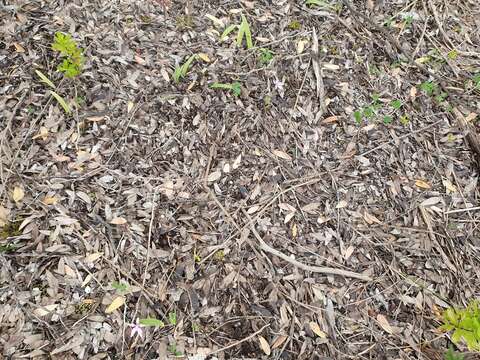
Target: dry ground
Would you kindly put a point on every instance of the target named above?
(226, 217)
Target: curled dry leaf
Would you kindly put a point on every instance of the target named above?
(214, 176)
(282, 155)
(422, 184)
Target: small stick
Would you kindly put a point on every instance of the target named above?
(239, 342)
(316, 269)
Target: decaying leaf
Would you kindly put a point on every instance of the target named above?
(282, 155)
(383, 322)
(422, 184)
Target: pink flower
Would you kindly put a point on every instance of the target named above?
(136, 329)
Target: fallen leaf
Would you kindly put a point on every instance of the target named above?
(342, 204)
(3, 216)
(18, 194)
(49, 200)
(116, 303)
(382, 320)
(43, 133)
(264, 345)
(214, 176)
(294, 231)
(118, 221)
(279, 341)
(301, 46)
(130, 106)
(204, 57)
(316, 329)
(422, 184)
(330, 119)
(18, 48)
(449, 187)
(45, 310)
(431, 201)
(282, 155)
(370, 219)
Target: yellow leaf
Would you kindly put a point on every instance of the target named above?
(116, 303)
(264, 345)
(49, 200)
(450, 188)
(204, 57)
(118, 221)
(316, 329)
(18, 194)
(422, 184)
(279, 341)
(294, 231)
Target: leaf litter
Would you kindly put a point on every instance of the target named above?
(230, 209)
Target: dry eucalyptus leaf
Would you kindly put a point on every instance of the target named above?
(316, 329)
(264, 345)
(282, 155)
(214, 176)
(422, 184)
(382, 320)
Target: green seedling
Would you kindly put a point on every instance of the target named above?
(476, 81)
(243, 32)
(181, 71)
(429, 87)
(294, 25)
(7, 248)
(119, 286)
(266, 56)
(172, 318)
(452, 55)
(72, 55)
(44, 79)
(173, 349)
(235, 88)
(151, 322)
(452, 355)
(465, 324)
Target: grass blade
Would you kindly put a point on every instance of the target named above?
(45, 79)
(227, 31)
(61, 101)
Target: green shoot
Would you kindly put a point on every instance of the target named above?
(181, 71)
(266, 56)
(476, 81)
(227, 32)
(235, 88)
(61, 101)
(119, 286)
(396, 104)
(152, 322)
(452, 355)
(429, 87)
(172, 318)
(244, 31)
(45, 79)
(73, 59)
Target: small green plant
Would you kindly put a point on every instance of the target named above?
(235, 88)
(181, 71)
(243, 32)
(172, 318)
(151, 322)
(476, 81)
(73, 59)
(452, 55)
(429, 87)
(407, 20)
(7, 248)
(119, 286)
(266, 56)
(319, 3)
(465, 324)
(294, 25)
(173, 349)
(452, 355)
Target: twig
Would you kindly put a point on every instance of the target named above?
(461, 210)
(318, 72)
(239, 341)
(152, 216)
(316, 269)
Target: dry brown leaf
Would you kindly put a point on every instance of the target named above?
(204, 57)
(294, 231)
(382, 320)
(282, 155)
(43, 133)
(370, 219)
(449, 187)
(279, 341)
(18, 48)
(45, 310)
(264, 345)
(118, 221)
(18, 194)
(422, 184)
(330, 119)
(115, 304)
(316, 329)
(341, 204)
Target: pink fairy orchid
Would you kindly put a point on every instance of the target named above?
(136, 329)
